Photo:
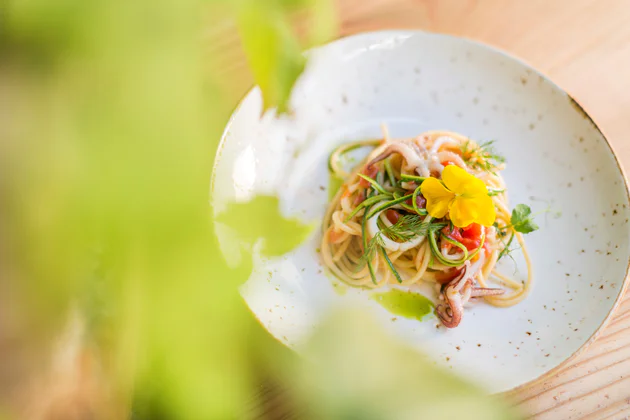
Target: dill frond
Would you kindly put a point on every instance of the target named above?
(372, 247)
(482, 156)
(408, 227)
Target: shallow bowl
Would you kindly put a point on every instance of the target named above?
(557, 159)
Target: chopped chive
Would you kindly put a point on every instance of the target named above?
(375, 184)
(409, 208)
(458, 245)
(391, 265)
(413, 178)
(380, 178)
(388, 205)
(365, 247)
(390, 172)
(421, 212)
(398, 192)
(367, 202)
(438, 254)
(414, 200)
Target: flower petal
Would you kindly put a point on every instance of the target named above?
(439, 198)
(455, 178)
(487, 213)
(475, 188)
(465, 211)
(461, 182)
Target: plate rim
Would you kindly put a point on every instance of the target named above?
(414, 32)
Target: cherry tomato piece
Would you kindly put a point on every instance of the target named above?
(370, 171)
(392, 215)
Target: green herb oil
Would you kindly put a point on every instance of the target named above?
(334, 183)
(340, 288)
(406, 304)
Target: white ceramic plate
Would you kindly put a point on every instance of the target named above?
(416, 81)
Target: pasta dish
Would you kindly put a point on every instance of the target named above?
(433, 208)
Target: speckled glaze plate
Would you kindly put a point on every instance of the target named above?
(415, 81)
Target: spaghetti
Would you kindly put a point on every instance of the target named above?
(379, 229)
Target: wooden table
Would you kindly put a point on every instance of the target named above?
(584, 46)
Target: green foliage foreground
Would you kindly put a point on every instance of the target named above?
(108, 127)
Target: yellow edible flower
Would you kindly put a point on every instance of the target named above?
(463, 196)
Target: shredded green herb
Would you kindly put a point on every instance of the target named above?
(407, 227)
(506, 249)
(388, 204)
(390, 173)
(391, 265)
(377, 186)
(368, 253)
(482, 156)
(372, 245)
(368, 202)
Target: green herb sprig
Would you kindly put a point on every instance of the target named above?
(506, 250)
(406, 228)
(522, 219)
(482, 156)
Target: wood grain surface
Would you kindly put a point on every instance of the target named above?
(582, 45)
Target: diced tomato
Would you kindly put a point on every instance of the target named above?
(371, 171)
(359, 197)
(473, 234)
(471, 244)
(470, 236)
(421, 202)
(454, 234)
(447, 162)
(392, 215)
(473, 230)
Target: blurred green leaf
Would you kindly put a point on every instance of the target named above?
(324, 24)
(105, 162)
(359, 371)
(259, 219)
(273, 52)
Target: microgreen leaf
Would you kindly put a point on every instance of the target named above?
(522, 219)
